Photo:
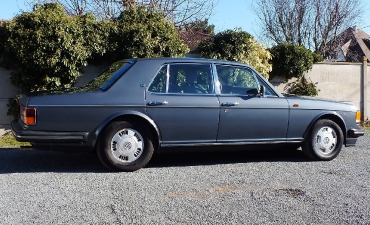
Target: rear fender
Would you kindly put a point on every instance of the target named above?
(125, 113)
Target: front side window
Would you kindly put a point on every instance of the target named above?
(183, 78)
(236, 80)
(268, 91)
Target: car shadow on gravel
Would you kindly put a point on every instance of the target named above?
(192, 158)
(17, 161)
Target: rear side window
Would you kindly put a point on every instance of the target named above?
(109, 76)
(183, 78)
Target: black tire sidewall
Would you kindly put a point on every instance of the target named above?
(311, 143)
(107, 157)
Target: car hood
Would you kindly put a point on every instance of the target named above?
(304, 102)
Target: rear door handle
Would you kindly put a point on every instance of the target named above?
(230, 104)
(155, 103)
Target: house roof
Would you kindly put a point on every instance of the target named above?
(3, 21)
(193, 38)
(350, 45)
(363, 40)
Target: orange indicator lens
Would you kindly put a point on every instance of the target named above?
(358, 116)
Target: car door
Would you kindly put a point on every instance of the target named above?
(182, 101)
(249, 117)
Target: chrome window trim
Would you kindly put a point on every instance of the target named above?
(167, 77)
(293, 141)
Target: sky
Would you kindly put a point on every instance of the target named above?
(228, 14)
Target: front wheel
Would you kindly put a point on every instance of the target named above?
(125, 146)
(324, 141)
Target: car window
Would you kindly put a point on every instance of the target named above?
(110, 75)
(236, 80)
(183, 78)
(268, 90)
(159, 83)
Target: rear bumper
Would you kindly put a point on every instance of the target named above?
(352, 136)
(23, 135)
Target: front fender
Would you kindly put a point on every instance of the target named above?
(327, 115)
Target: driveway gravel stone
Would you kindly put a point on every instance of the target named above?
(259, 187)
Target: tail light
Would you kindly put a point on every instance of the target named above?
(28, 115)
(358, 117)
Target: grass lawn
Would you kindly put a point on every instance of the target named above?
(366, 125)
(8, 141)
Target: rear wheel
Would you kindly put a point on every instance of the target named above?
(125, 146)
(324, 142)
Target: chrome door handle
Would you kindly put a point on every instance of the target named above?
(155, 103)
(230, 104)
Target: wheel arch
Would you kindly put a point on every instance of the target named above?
(130, 115)
(333, 116)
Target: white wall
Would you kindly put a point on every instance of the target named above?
(6, 91)
(336, 81)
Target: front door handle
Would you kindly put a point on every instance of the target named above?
(230, 104)
(155, 103)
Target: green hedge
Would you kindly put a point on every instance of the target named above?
(237, 45)
(47, 48)
(290, 60)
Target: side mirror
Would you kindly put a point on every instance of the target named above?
(262, 91)
(252, 91)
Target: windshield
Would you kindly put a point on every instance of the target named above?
(109, 76)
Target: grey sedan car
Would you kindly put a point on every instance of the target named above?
(141, 106)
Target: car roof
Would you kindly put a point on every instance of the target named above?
(192, 60)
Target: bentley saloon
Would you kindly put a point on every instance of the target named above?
(140, 106)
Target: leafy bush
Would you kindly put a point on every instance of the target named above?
(302, 87)
(237, 45)
(317, 58)
(290, 60)
(140, 33)
(47, 47)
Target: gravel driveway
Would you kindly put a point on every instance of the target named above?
(279, 187)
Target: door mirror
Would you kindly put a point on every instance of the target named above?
(262, 91)
(253, 91)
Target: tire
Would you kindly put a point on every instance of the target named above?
(324, 142)
(125, 146)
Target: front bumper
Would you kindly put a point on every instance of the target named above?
(352, 136)
(356, 133)
(23, 135)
